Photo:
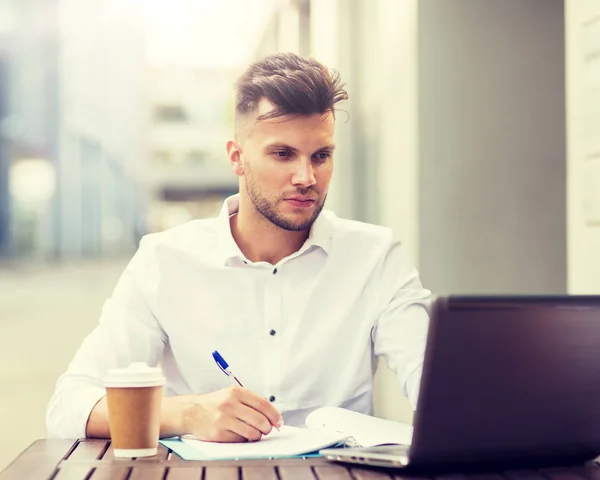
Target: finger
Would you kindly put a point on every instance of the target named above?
(261, 405)
(247, 432)
(227, 436)
(253, 418)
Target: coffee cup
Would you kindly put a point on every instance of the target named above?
(134, 397)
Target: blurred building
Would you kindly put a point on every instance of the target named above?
(102, 201)
(190, 118)
(29, 125)
(73, 128)
(7, 25)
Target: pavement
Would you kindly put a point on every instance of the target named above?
(45, 313)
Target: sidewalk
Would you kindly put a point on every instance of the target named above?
(45, 312)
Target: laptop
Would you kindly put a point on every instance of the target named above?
(507, 381)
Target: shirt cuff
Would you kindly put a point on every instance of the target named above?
(89, 399)
(69, 417)
(412, 385)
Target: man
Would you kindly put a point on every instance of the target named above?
(298, 301)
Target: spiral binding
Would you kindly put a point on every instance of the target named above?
(350, 442)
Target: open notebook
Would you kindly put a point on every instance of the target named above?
(325, 427)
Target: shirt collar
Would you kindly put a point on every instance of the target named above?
(320, 235)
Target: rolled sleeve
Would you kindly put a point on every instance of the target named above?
(128, 331)
(400, 332)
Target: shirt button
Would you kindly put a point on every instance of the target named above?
(272, 333)
(275, 272)
(271, 398)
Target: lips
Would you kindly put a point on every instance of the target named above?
(301, 202)
(301, 199)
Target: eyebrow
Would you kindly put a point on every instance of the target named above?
(283, 146)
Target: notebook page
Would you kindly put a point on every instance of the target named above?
(289, 441)
(365, 429)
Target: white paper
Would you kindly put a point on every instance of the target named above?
(366, 430)
(289, 442)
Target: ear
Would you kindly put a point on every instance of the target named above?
(235, 159)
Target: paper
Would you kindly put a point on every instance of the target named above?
(290, 441)
(326, 427)
(367, 431)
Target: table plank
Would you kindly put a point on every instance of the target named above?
(147, 472)
(73, 472)
(39, 460)
(161, 455)
(184, 473)
(401, 476)
(93, 460)
(89, 449)
(110, 472)
(332, 472)
(221, 473)
(362, 474)
(289, 472)
(266, 472)
(207, 463)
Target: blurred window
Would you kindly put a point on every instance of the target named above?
(197, 157)
(162, 156)
(170, 114)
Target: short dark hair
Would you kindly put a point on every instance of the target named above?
(293, 84)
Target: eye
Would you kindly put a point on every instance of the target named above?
(282, 153)
(322, 156)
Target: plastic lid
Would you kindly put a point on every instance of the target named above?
(138, 374)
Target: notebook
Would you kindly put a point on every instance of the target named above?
(360, 429)
(325, 427)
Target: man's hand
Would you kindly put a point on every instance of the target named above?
(234, 414)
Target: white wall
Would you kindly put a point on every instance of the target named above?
(492, 146)
(583, 140)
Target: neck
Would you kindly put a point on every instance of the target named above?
(259, 239)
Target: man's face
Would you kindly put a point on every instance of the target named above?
(286, 165)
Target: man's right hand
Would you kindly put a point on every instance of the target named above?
(234, 414)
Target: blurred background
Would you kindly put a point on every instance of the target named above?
(473, 130)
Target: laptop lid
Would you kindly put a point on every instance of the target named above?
(509, 380)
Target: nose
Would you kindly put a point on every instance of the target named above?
(304, 175)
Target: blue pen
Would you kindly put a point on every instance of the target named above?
(224, 366)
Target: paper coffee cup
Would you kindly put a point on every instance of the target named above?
(134, 397)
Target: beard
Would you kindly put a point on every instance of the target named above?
(268, 208)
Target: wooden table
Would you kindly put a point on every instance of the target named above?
(94, 460)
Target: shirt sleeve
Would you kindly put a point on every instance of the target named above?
(400, 331)
(128, 331)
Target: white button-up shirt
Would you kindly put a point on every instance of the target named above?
(305, 333)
